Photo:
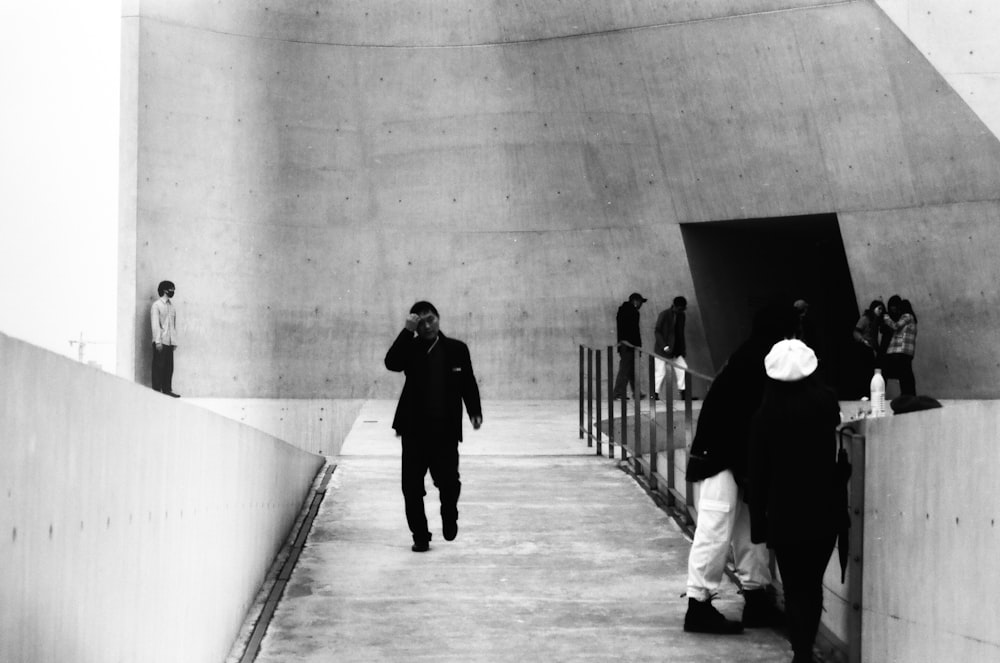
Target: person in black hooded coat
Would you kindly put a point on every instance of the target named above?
(797, 497)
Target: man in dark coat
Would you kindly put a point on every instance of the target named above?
(670, 342)
(428, 417)
(629, 338)
(718, 464)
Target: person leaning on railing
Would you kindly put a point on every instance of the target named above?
(718, 461)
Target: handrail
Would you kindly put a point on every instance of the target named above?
(670, 361)
(644, 457)
(676, 443)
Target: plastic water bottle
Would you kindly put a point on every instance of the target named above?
(878, 394)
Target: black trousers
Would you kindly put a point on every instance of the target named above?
(163, 368)
(899, 366)
(439, 455)
(626, 372)
(802, 565)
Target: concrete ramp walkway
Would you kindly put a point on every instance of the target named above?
(560, 556)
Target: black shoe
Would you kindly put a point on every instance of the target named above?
(759, 610)
(423, 544)
(702, 617)
(172, 394)
(620, 397)
(450, 529)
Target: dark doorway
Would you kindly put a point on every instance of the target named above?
(738, 266)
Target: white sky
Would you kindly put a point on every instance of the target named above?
(59, 171)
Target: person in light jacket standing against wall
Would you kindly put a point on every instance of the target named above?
(163, 317)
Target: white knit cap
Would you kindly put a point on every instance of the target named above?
(790, 360)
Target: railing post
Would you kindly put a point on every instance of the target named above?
(590, 397)
(637, 391)
(581, 391)
(671, 453)
(623, 442)
(688, 438)
(611, 402)
(653, 451)
(597, 399)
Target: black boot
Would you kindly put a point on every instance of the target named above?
(421, 543)
(449, 526)
(759, 610)
(702, 617)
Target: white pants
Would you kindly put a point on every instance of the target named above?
(661, 374)
(724, 529)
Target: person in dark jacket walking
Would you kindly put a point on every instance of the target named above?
(717, 462)
(428, 418)
(797, 499)
(671, 343)
(629, 338)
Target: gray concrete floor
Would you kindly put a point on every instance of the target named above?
(560, 556)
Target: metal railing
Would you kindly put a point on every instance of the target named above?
(641, 443)
(643, 437)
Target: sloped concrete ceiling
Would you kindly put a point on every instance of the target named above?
(305, 171)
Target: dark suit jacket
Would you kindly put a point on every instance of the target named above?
(627, 321)
(408, 355)
(665, 333)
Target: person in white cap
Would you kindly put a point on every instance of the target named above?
(796, 492)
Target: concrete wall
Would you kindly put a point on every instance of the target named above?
(304, 173)
(958, 39)
(316, 426)
(134, 527)
(931, 536)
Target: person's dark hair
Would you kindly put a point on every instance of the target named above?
(774, 322)
(164, 286)
(422, 307)
(680, 300)
(906, 307)
(871, 309)
(895, 300)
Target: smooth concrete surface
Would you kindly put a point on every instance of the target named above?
(560, 556)
(305, 172)
(931, 533)
(318, 426)
(133, 526)
(959, 39)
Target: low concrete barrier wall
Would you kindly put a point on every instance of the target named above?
(133, 527)
(316, 425)
(932, 532)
